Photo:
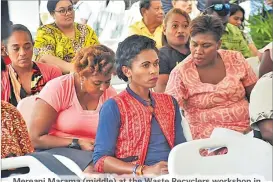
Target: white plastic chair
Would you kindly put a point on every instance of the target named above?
(37, 169)
(111, 20)
(25, 107)
(131, 16)
(186, 128)
(254, 63)
(225, 132)
(246, 156)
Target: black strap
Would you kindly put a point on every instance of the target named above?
(54, 165)
(257, 134)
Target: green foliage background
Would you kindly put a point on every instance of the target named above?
(261, 27)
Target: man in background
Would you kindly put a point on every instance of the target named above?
(151, 23)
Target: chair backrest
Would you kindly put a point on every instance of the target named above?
(36, 168)
(246, 156)
(225, 132)
(111, 20)
(130, 17)
(186, 128)
(254, 63)
(25, 107)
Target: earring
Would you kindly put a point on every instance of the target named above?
(81, 84)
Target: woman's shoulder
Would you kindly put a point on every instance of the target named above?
(87, 33)
(83, 27)
(64, 82)
(120, 96)
(165, 98)
(165, 49)
(231, 56)
(157, 95)
(110, 105)
(166, 52)
(50, 28)
(185, 64)
(48, 68)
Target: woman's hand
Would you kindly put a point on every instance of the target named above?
(86, 145)
(158, 169)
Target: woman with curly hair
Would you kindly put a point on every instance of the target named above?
(65, 117)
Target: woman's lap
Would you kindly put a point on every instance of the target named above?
(80, 157)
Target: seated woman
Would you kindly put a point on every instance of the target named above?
(58, 42)
(14, 136)
(66, 113)
(211, 85)
(175, 38)
(260, 108)
(237, 18)
(137, 128)
(23, 77)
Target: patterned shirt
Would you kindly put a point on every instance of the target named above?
(208, 106)
(233, 39)
(51, 41)
(12, 90)
(14, 135)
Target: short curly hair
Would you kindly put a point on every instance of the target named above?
(205, 24)
(129, 48)
(93, 60)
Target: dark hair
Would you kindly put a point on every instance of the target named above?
(235, 8)
(129, 48)
(205, 24)
(144, 4)
(51, 5)
(17, 28)
(93, 60)
(3, 64)
(171, 12)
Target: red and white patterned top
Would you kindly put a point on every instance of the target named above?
(208, 106)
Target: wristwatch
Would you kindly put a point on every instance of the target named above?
(75, 144)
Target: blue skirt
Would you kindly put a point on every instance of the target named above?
(82, 158)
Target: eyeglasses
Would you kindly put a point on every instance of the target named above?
(64, 11)
(220, 7)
